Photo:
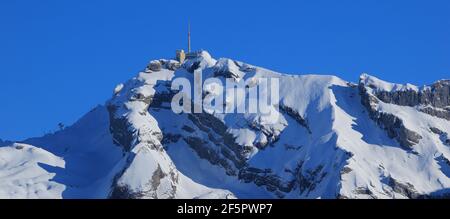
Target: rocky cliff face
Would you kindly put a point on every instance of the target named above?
(133, 128)
(303, 153)
(436, 95)
(433, 99)
(393, 125)
(136, 131)
(325, 138)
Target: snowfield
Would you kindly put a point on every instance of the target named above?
(24, 172)
(329, 138)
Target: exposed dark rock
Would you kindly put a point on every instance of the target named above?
(119, 129)
(340, 196)
(210, 124)
(155, 66)
(205, 151)
(156, 178)
(191, 68)
(220, 149)
(261, 145)
(346, 170)
(228, 71)
(403, 98)
(124, 192)
(392, 124)
(170, 138)
(141, 97)
(128, 136)
(245, 67)
(436, 131)
(396, 129)
(308, 179)
(406, 189)
(266, 178)
(160, 98)
(437, 96)
(440, 113)
(271, 136)
(170, 64)
(295, 115)
(363, 191)
(443, 136)
(226, 74)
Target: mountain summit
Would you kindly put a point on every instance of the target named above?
(329, 139)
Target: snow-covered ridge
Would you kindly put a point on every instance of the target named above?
(433, 99)
(24, 172)
(330, 139)
(380, 85)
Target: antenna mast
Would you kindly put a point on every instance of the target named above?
(189, 37)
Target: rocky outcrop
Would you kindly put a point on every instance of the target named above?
(268, 179)
(119, 129)
(198, 60)
(364, 191)
(405, 189)
(440, 113)
(209, 136)
(433, 100)
(309, 178)
(403, 98)
(396, 129)
(157, 65)
(227, 68)
(392, 124)
(170, 64)
(154, 66)
(295, 115)
(123, 191)
(133, 128)
(443, 136)
(436, 95)
(220, 148)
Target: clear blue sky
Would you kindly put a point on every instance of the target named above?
(59, 59)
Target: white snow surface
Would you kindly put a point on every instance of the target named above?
(381, 85)
(24, 174)
(337, 151)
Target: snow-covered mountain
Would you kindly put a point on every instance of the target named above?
(330, 139)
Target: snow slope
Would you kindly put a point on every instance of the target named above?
(23, 172)
(326, 138)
